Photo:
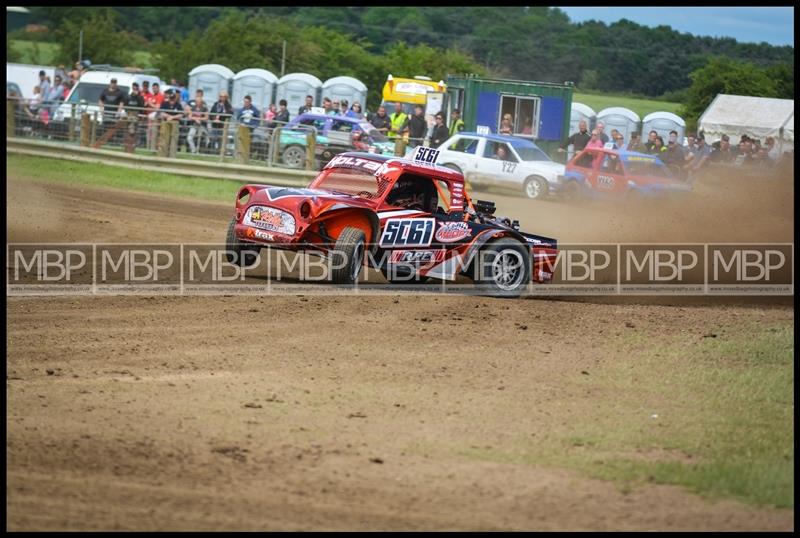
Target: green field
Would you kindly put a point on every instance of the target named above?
(43, 53)
(716, 417)
(642, 107)
(103, 175)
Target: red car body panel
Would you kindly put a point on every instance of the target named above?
(320, 212)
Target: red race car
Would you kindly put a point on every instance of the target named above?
(409, 218)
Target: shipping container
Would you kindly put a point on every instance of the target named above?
(540, 111)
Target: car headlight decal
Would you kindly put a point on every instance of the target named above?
(268, 218)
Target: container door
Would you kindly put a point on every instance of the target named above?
(551, 119)
(488, 108)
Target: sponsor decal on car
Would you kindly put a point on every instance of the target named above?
(270, 219)
(255, 233)
(606, 182)
(450, 232)
(425, 155)
(423, 257)
(408, 232)
(353, 162)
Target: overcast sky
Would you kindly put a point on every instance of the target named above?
(775, 25)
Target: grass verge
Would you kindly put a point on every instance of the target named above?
(715, 417)
(102, 175)
(642, 107)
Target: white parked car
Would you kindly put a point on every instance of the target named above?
(502, 161)
(86, 93)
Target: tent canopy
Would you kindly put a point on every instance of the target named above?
(788, 129)
(757, 117)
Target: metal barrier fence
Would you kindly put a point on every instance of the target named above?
(146, 131)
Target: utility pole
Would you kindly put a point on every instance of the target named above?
(283, 58)
(80, 47)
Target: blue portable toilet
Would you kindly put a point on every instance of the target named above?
(294, 87)
(624, 120)
(259, 84)
(211, 78)
(581, 112)
(663, 123)
(348, 88)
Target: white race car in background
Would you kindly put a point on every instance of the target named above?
(502, 161)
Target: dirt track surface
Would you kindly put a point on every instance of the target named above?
(204, 413)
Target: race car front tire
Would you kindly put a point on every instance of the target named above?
(535, 187)
(348, 256)
(503, 268)
(236, 252)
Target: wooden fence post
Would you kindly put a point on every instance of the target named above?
(86, 130)
(164, 139)
(10, 117)
(311, 148)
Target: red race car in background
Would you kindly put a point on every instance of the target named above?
(612, 173)
(413, 218)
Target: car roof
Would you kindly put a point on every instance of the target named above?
(625, 154)
(310, 115)
(499, 138)
(124, 79)
(410, 166)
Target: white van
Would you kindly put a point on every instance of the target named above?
(86, 93)
(26, 76)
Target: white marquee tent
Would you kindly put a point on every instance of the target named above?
(757, 117)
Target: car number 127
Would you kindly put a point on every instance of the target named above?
(407, 232)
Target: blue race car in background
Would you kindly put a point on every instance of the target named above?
(612, 173)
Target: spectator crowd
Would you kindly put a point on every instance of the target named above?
(684, 158)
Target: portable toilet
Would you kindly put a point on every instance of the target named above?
(259, 84)
(211, 78)
(624, 120)
(294, 87)
(663, 123)
(581, 112)
(348, 88)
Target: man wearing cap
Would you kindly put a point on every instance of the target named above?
(171, 109)
(114, 98)
(44, 84)
(134, 109)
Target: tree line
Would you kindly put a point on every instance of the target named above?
(535, 43)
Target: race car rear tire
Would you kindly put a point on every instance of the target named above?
(294, 156)
(347, 256)
(236, 252)
(535, 187)
(503, 268)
